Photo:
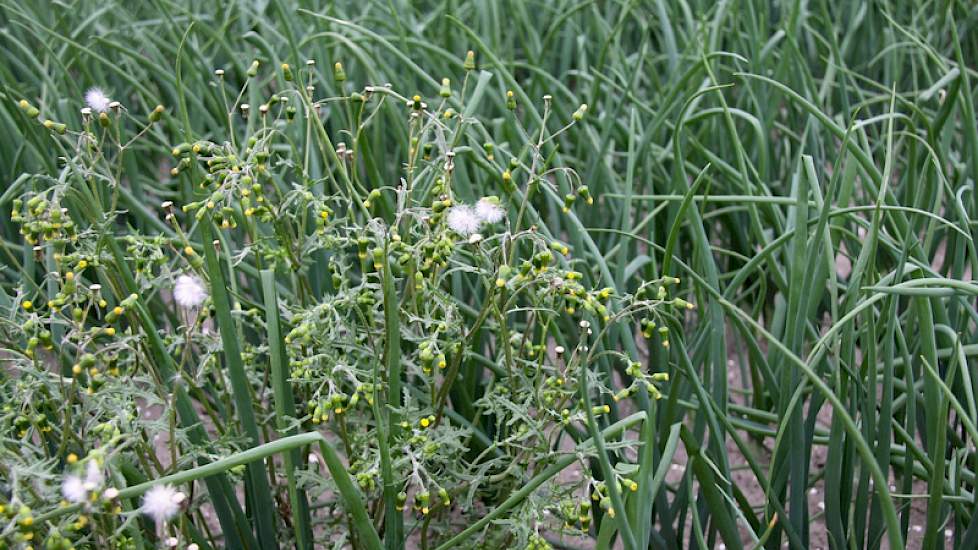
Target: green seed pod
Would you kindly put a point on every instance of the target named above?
(505, 272)
(339, 75)
(28, 109)
(579, 113)
(507, 181)
(427, 359)
(362, 244)
(489, 149)
(103, 120)
(286, 72)
(253, 69)
(647, 326)
(373, 196)
(156, 114)
(446, 88)
(652, 390)
(181, 149)
(469, 64)
(543, 259)
(569, 199)
(58, 127)
(585, 194)
(559, 247)
(510, 100)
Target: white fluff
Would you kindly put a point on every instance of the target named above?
(463, 220)
(189, 292)
(73, 489)
(161, 503)
(97, 100)
(93, 476)
(488, 210)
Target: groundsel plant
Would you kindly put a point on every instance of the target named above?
(374, 361)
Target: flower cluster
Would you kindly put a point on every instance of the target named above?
(432, 330)
(467, 220)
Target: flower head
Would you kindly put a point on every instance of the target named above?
(73, 489)
(97, 100)
(464, 220)
(189, 292)
(93, 476)
(161, 503)
(489, 210)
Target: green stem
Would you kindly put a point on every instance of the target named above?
(394, 520)
(261, 496)
(284, 407)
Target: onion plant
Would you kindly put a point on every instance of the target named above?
(473, 274)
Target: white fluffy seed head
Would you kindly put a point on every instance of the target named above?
(93, 476)
(161, 503)
(489, 210)
(463, 220)
(97, 100)
(189, 291)
(73, 489)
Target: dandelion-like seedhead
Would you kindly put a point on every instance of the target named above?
(76, 488)
(189, 291)
(162, 503)
(73, 489)
(96, 100)
(464, 220)
(489, 210)
(93, 475)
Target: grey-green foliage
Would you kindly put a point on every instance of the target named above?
(755, 150)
